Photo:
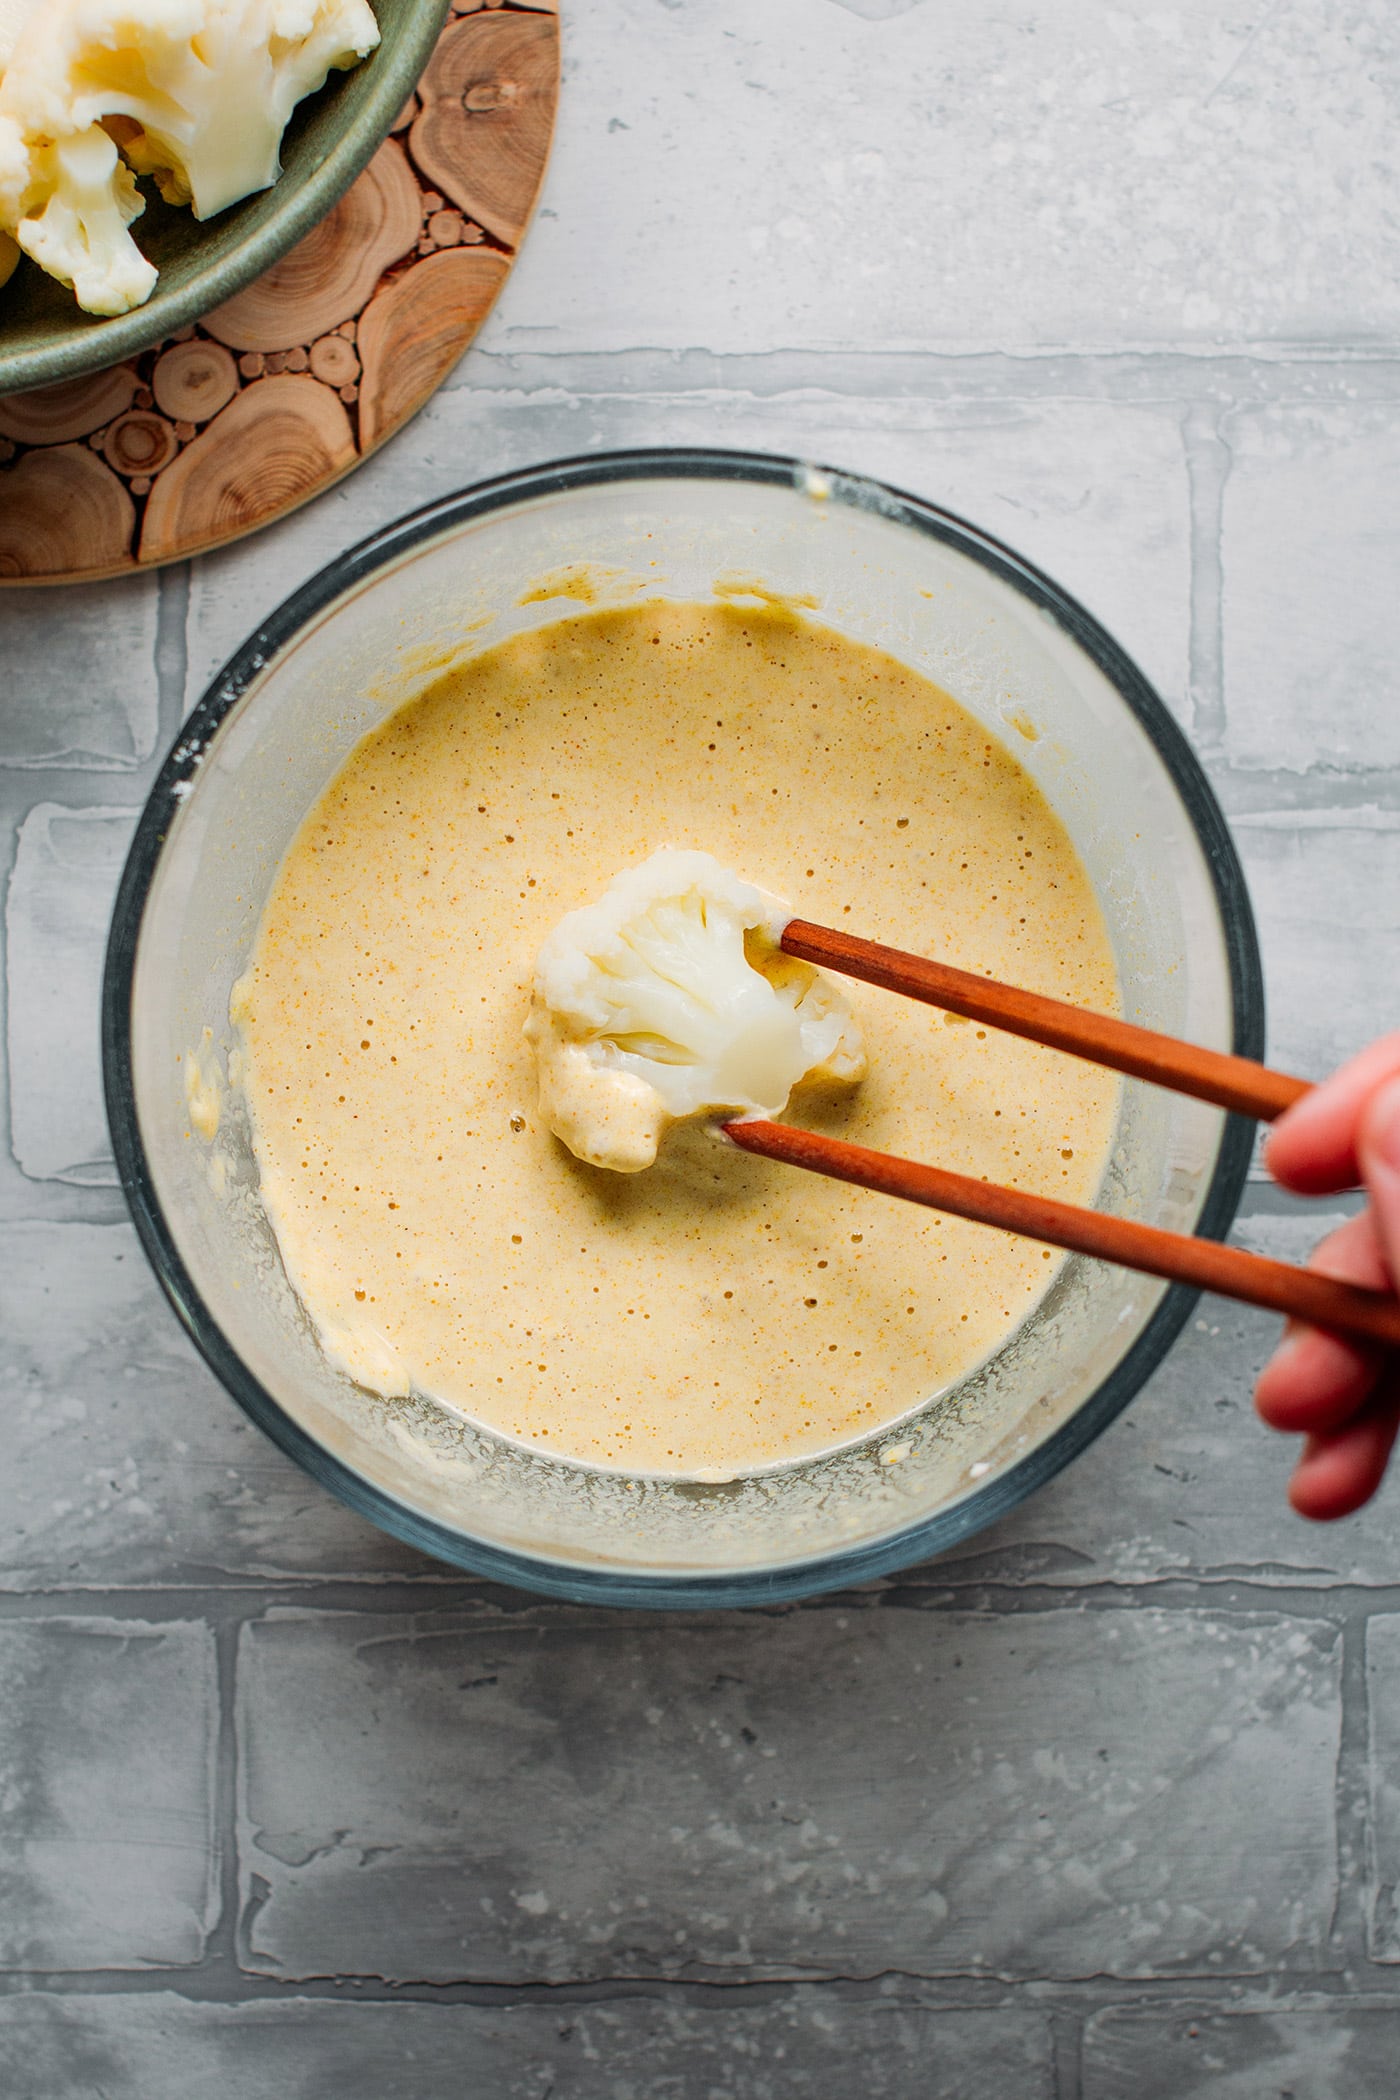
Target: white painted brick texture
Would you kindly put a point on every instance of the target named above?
(107, 1736)
(568, 1797)
(793, 2046)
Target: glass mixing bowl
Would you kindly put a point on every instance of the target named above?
(371, 629)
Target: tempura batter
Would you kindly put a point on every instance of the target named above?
(716, 1312)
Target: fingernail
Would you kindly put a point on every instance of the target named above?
(1382, 1124)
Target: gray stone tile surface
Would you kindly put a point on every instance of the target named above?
(1312, 620)
(1326, 888)
(1341, 2052)
(830, 172)
(129, 1462)
(66, 865)
(787, 2047)
(79, 679)
(1383, 1775)
(107, 1734)
(1122, 286)
(578, 1796)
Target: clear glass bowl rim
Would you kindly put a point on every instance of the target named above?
(917, 1542)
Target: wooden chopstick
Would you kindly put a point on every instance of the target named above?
(1235, 1083)
(1210, 1075)
(1302, 1294)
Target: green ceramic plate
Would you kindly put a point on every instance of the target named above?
(45, 337)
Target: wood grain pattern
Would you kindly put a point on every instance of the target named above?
(497, 73)
(335, 361)
(192, 381)
(329, 275)
(62, 505)
(275, 443)
(139, 443)
(226, 426)
(52, 415)
(410, 335)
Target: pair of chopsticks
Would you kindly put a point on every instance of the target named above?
(1235, 1083)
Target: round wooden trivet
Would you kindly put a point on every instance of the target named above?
(225, 426)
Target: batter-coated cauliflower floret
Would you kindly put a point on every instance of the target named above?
(670, 999)
(196, 93)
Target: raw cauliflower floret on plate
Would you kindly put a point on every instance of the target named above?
(196, 93)
(670, 1000)
(69, 202)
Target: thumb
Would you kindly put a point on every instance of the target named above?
(1378, 1154)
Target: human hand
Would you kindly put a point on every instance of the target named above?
(1343, 1396)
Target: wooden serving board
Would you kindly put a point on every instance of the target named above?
(275, 395)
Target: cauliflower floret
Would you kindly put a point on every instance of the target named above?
(13, 16)
(70, 208)
(670, 999)
(210, 84)
(195, 92)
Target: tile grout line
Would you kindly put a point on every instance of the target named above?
(1302, 374)
(221, 1945)
(7, 1151)
(441, 1604)
(1068, 2000)
(1207, 468)
(1067, 2051)
(171, 657)
(1348, 1930)
(1370, 1850)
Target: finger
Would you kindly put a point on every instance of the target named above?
(1315, 1380)
(1314, 1383)
(1378, 1150)
(1313, 1147)
(1342, 1469)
